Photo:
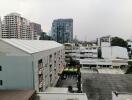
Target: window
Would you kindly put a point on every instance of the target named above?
(40, 64)
(50, 78)
(0, 68)
(40, 61)
(46, 65)
(1, 82)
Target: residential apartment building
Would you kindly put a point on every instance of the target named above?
(35, 30)
(0, 27)
(62, 30)
(30, 64)
(16, 26)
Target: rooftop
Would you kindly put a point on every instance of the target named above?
(13, 14)
(62, 96)
(110, 71)
(100, 86)
(32, 46)
(56, 90)
(122, 96)
(16, 94)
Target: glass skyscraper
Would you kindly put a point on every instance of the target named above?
(62, 30)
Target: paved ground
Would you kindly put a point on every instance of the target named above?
(86, 71)
(100, 86)
(69, 81)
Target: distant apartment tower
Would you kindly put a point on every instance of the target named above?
(35, 29)
(62, 30)
(16, 26)
(0, 28)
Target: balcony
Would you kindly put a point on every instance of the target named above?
(40, 71)
(40, 65)
(41, 84)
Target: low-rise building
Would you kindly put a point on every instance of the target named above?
(30, 64)
(78, 53)
(114, 52)
(103, 63)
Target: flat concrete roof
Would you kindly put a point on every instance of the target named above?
(62, 96)
(100, 86)
(16, 94)
(122, 96)
(110, 71)
(57, 90)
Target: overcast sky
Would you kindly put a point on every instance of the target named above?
(92, 18)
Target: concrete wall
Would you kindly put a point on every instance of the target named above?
(17, 72)
(44, 55)
(114, 52)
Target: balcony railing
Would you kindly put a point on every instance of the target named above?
(41, 84)
(40, 65)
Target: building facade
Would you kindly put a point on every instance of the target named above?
(104, 41)
(0, 28)
(62, 30)
(30, 64)
(35, 30)
(16, 26)
(80, 52)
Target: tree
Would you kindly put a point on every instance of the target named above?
(44, 36)
(73, 62)
(116, 41)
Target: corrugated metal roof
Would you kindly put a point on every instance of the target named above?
(32, 46)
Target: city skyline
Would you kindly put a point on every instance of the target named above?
(92, 18)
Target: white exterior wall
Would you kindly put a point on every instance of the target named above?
(16, 68)
(113, 52)
(0, 28)
(16, 72)
(46, 61)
